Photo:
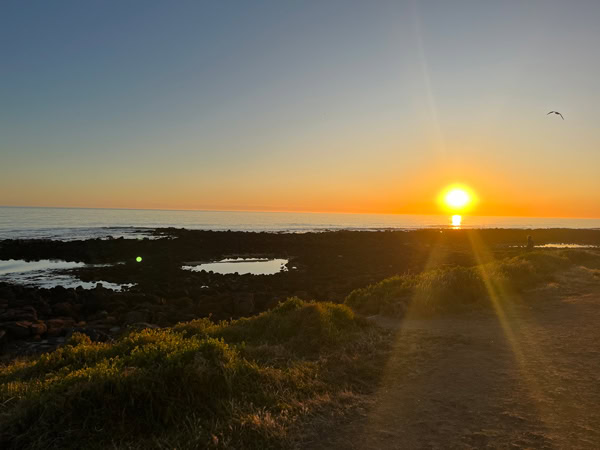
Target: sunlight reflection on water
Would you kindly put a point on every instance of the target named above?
(456, 220)
(561, 245)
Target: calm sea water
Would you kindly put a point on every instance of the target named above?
(69, 224)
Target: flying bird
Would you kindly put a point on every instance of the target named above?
(557, 113)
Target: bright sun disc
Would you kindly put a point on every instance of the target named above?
(457, 198)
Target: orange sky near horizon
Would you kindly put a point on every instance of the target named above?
(395, 183)
(497, 194)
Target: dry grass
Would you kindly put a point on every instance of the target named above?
(240, 384)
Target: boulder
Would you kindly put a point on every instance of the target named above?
(18, 330)
(27, 313)
(60, 322)
(38, 328)
(59, 326)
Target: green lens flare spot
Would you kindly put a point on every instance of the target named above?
(138, 259)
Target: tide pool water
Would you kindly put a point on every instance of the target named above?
(242, 266)
(47, 273)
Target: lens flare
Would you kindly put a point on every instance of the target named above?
(138, 259)
(456, 220)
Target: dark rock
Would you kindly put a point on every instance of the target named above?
(243, 304)
(162, 319)
(63, 309)
(60, 322)
(43, 308)
(7, 293)
(59, 326)
(100, 315)
(183, 302)
(143, 326)
(94, 334)
(18, 330)
(137, 316)
(38, 328)
(27, 313)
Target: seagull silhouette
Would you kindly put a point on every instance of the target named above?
(556, 112)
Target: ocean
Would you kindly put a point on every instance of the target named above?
(81, 223)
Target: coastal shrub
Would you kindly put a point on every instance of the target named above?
(298, 325)
(455, 288)
(196, 385)
(428, 293)
(199, 327)
(448, 288)
(386, 295)
(586, 258)
(527, 270)
(303, 327)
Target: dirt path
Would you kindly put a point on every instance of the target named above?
(531, 380)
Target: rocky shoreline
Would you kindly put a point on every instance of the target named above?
(326, 266)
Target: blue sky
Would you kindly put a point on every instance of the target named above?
(324, 105)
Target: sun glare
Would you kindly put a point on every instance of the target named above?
(457, 198)
(456, 220)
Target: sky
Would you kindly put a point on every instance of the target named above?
(333, 106)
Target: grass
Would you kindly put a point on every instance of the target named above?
(240, 384)
(458, 288)
(249, 383)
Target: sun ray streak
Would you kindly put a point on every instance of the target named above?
(432, 108)
(500, 296)
(435, 257)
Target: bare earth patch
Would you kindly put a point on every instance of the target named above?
(527, 376)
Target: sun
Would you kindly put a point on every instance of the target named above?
(456, 198)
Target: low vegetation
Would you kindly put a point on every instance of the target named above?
(240, 384)
(457, 288)
(247, 383)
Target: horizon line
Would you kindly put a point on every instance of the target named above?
(289, 212)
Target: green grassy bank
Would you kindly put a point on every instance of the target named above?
(456, 288)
